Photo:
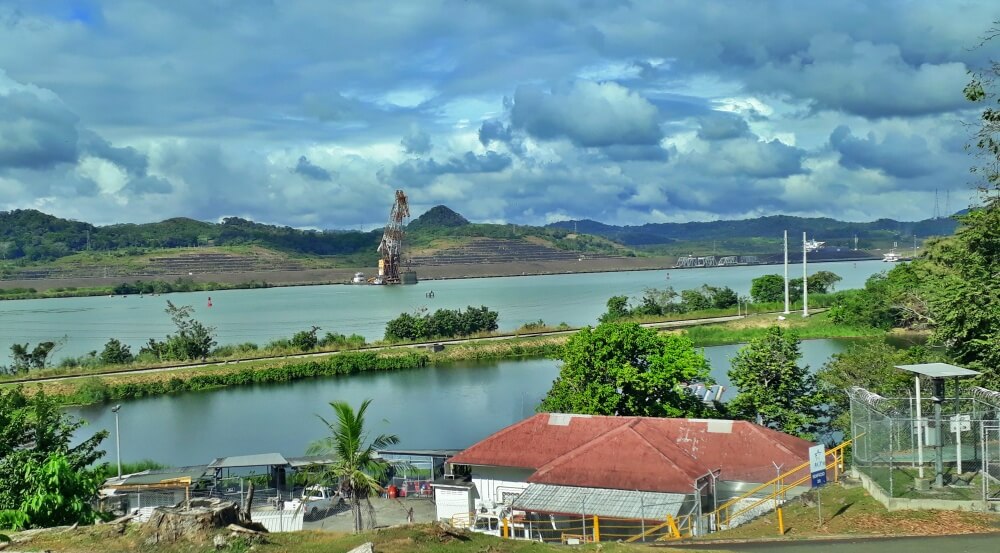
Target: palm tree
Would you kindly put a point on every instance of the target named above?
(357, 467)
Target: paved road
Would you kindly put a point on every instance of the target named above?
(969, 543)
(667, 324)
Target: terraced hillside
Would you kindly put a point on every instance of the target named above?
(494, 250)
(200, 261)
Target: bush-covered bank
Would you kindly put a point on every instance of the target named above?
(98, 390)
(126, 288)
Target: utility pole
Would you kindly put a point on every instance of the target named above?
(855, 242)
(786, 273)
(805, 279)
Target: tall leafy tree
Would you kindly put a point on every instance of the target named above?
(767, 289)
(357, 469)
(625, 369)
(774, 390)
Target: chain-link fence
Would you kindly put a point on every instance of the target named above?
(938, 448)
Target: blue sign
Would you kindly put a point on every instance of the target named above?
(818, 478)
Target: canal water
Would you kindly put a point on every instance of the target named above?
(438, 407)
(85, 324)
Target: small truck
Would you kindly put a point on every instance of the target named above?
(314, 500)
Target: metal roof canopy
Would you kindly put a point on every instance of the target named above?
(259, 460)
(938, 372)
(159, 477)
(572, 500)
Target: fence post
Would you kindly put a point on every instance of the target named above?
(597, 530)
(506, 528)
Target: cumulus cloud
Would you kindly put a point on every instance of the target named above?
(589, 114)
(720, 125)
(310, 170)
(896, 155)
(617, 111)
(416, 141)
(864, 78)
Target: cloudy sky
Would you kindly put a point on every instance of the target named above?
(310, 113)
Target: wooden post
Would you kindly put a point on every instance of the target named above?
(597, 529)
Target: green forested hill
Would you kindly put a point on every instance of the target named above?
(819, 228)
(35, 236)
(28, 235)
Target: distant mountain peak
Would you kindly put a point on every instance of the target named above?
(439, 216)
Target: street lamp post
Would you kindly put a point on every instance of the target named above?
(118, 443)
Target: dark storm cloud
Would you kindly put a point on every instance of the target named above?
(424, 171)
(494, 130)
(589, 114)
(309, 170)
(895, 155)
(128, 158)
(36, 132)
(149, 185)
(722, 126)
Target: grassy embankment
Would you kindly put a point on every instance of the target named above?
(849, 511)
(421, 538)
(122, 386)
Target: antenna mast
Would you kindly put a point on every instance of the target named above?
(392, 240)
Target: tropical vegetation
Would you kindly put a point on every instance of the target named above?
(443, 323)
(621, 368)
(357, 470)
(45, 479)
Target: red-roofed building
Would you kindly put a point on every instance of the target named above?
(554, 455)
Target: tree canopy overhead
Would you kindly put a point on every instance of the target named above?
(624, 369)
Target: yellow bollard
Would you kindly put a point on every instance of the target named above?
(781, 523)
(597, 529)
(506, 529)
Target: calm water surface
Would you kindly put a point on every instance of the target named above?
(263, 315)
(437, 407)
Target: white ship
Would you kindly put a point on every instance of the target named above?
(891, 257)
(359, 278)
(813, 245)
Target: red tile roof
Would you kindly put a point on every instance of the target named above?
(636, 453)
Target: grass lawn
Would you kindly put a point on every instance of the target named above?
(851, 511)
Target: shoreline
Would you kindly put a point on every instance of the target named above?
(92, 287)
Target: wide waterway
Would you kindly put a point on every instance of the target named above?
(438, 407)
(262, 315)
